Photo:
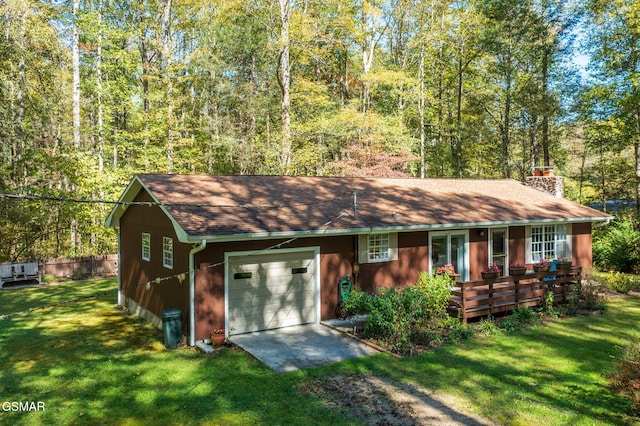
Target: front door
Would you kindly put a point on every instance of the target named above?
(449, 247)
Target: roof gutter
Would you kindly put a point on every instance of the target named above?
(367, 230)
(192, 291)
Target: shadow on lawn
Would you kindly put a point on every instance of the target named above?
(580, 392)
(92, 364)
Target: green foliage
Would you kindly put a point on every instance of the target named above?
(625, 378)
(488, 326)
(621, 283)
(358, 301)
(618, 248)
(591, 293)
(550, 309)
(466, 91)
(519, 318)
(414, 314)
(48, 278)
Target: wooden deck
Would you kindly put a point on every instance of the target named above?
(479, 298)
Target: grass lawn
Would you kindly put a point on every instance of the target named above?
(92, 364)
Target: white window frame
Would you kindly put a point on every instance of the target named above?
(549, 241)
(464, 273)
(506, 245)
(167, 252)
(146, 246)
(378, 247)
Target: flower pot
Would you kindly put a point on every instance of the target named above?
(517, 271)
(490, 275)
(563, 266)
(217, 340)
(541, 268)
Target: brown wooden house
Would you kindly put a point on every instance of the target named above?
(257, 252)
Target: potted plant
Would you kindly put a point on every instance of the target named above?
(449, 270)
(542, 265)
(491, 271)
(517, 269)
(563, 264)
(217, 337)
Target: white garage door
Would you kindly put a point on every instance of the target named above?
(272, 290)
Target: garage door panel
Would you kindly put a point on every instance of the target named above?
(249, 323)
(277, 285)
(272, 287)
(267, 305)
(271, 291)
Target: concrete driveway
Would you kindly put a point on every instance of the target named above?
(300, 347)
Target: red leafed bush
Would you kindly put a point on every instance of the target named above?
(625, 378)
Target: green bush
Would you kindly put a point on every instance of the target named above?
(436, 290)
(620, 282)
(398, 318)
(591, 294)
(48, 278)
(625, 378)
(618, 247)
(358, 302)
(519, 318)
(487, 326)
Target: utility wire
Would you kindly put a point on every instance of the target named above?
(179, 276)
(169, 204)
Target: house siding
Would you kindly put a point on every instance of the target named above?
(338, 254)
(135, 273)
(337, 257)
(581, 245)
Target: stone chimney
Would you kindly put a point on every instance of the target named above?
(545, 180)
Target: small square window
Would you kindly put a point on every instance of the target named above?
(167, 252)
(146, 246)
(378, 247)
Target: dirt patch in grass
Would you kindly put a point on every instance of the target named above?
(380, 401)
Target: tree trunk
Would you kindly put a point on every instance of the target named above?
(100, 141)
(636, 149)
(166, 57)
(75, 59)
(285, 86)
(421, 104)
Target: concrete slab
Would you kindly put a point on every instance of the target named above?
(300, 347)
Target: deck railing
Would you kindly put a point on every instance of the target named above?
(470, 299)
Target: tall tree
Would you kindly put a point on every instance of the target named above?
(615, 44)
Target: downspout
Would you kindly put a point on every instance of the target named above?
(120, 295)
(192, 291)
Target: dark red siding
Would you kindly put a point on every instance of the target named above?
(156, 297)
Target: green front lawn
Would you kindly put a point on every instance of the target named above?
(92, 364)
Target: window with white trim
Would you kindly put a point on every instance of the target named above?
(167, 252)
(380, 247)
(549, 242)
(146, 246)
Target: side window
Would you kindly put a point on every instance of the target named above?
(167, 252)
(550, 242)
(378, 247)
(146, 246)
(381, 247)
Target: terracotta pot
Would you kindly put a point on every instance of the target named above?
(217, 340)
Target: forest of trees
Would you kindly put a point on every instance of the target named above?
(94, 92)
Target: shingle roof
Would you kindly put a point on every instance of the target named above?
(206, 206)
